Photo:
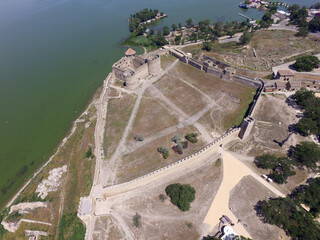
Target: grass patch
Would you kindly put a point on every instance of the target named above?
(218, 162)
(134, 40)
(3, 214)
(14, 217)
(71, 227)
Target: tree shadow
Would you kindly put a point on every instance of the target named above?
(292, 103)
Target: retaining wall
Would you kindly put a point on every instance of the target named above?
(195, 63)
(233, 131)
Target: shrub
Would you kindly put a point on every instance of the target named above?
(138, 138)
(192, 137)
(164, 151)
(181, 195)
(162, 197)
(137, 220)
(176, 138)
(89, 153)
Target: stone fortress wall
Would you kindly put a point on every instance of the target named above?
(226, 72)
(133, 70)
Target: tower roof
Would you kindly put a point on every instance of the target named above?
(130, 52)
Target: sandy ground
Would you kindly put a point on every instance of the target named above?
(243, 198)
(233, 172)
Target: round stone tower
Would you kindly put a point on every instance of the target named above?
(154, 64)
(130, 79)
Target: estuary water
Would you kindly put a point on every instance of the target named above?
(54, 54)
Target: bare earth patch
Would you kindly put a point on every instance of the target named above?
(107, 228)
(152, 117)
(163, 220)
(118, 114)
(166, 61)
(146, 158)
(243, 197)
(233, 98)
(183, 96)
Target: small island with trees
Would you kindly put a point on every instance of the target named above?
(140, 34)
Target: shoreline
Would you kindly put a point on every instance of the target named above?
(59, 146)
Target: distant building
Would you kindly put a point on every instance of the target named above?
(285, 75)
(281, 85)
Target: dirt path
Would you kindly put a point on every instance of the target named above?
(233, 171)
(204, 134)
(108, 174)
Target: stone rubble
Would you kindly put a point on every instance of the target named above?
(52, 183)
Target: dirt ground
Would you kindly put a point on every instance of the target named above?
(243, 197)
(163, 220)
(166, 61)
(106, 227)
(271, 110)
(118, 115)
(273, 117)
(152, 117)
(232, 99)
(185, 97)
(146, 158)
(272, 48)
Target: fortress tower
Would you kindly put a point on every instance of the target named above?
(154, 64)
(133, 70)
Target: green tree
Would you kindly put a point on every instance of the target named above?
(89, 153)
(192, 137)
(245, 38)
(137, 220)
(164, 151)
(306, 126)
(303, 32)
(176, 138)
(207, 46)
(181, 195)
(309, 195)
(139, 31)
(284, 212)
(177, 40)
(230, 33)
(314, 24)
(306, 63)
(189, 22)
(307, 154)
(267, 161)
(160, 39)
(174, 27)
(166, 31)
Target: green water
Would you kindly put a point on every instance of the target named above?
(54, 54)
